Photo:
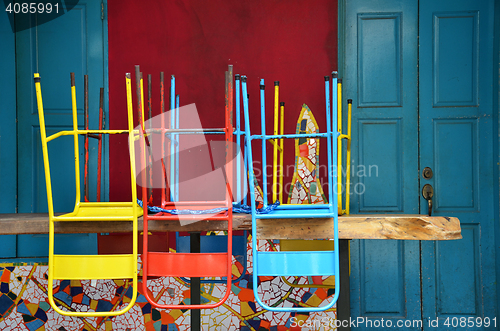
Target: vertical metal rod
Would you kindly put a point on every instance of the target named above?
(229, 144)
(172, 145)
(339, 144)
(251, 177)
(138, 90)
(101, 142)
(150, 111)
(348, 157)
(143, 117)
(263, 129)
(177, 139)
(165, 192)
(86, 144)
(336, 200)
(246, 177)
(238, 138)
(150, 158)
(282, 131)
(275, 147)
(329, 130)
(226, 113)
(229, 172)
(194, 243)
(138, 93)
(76, 149)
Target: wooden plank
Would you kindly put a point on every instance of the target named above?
(406, 227)
(409, 227)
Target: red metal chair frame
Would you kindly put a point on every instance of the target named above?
(169, 264)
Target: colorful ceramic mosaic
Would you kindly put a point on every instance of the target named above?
(306, 187)
(24, 304)
(258, 194)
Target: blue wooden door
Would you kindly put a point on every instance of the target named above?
(420, 76)
(72, 42)
(381, 79)
(456, 142)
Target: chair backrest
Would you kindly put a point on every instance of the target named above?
(75, 133)
(45, 140)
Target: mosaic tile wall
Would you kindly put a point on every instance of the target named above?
(24, 304)
(306, 187)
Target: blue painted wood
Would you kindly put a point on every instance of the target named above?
(375, 171)
(496, 142)
(71, 43)
(456, 130)
(8, 153)
(380, 76)
(378, 282)
(379, 39)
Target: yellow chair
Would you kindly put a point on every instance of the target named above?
(90, 267)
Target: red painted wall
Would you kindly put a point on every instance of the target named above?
(294, 42)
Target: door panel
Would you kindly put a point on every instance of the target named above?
(71, 43)
(462, 180)
(456, 137)
(381, 78)
(467, 300)
(8, 171)
(374, 152)
(383, 272)
(379, 41)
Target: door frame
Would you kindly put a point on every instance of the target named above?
(496, 142)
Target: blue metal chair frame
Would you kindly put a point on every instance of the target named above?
(293, 263)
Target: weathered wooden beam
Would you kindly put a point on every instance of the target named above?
(407, 227)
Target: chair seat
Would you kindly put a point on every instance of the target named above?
(295, 263)
(187, 264)
(297, 213)
(116, 266)
(102, 211)
(163, 216)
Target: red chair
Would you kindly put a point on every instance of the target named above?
(170, 264)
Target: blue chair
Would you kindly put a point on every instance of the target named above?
(293, 263)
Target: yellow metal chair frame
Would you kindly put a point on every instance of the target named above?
(93, 267)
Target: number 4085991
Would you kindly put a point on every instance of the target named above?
(32, 8)
(470, 322)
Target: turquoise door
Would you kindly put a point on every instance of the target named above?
(420, 76)
(72, 42)
(456, 142)
(381, 79)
